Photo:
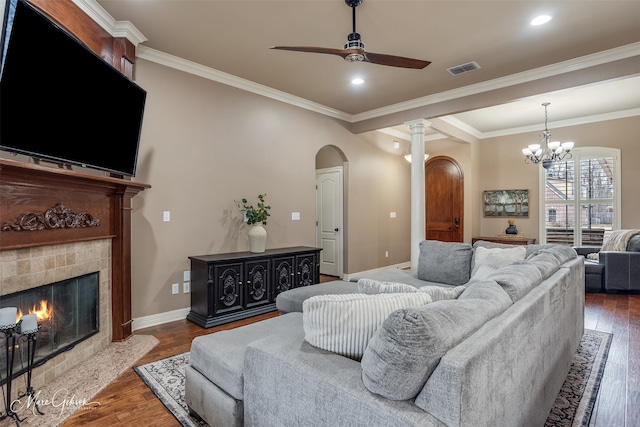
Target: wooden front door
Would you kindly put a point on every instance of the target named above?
(444, 204)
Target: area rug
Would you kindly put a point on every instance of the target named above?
(572, 408)
(75, 390)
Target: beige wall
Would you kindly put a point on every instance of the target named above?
(501, 166)
(205, 145)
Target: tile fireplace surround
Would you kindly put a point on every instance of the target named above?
(57, 224)
(22, 269)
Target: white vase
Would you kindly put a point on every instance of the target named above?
(257, 238)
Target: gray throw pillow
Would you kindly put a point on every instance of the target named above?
(517, 279)
(409, 344)
(445, 262)
(546, 262)
(562, 253)
(370, 287)
(440, 293)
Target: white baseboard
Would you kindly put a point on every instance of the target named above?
(349, 276)
(160, 318)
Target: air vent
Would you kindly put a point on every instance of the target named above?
(464, 68)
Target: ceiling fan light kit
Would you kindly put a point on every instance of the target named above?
(354, 50)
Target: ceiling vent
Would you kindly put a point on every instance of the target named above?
(464, 68)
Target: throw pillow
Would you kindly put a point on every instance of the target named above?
(408, 346)
(371, 287)
(440, 293)
(444, 262)
(345, 323)
(497, 255)
(437, 293)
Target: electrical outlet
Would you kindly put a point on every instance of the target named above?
(175, 288)
(166, 216)
(186, 287)
(386, 254)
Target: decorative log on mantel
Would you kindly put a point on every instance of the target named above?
(26, 187)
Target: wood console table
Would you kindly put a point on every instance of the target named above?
(506, 240)
(233, 286)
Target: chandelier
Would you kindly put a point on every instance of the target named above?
(549, 151)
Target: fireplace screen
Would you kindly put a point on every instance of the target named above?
(67, 313)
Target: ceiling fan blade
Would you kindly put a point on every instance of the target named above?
(395, 61)
(311, 49)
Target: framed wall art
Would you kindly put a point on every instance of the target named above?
(506, 203)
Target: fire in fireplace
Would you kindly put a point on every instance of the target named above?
(67, 313)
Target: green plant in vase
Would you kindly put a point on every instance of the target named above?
(255, 215)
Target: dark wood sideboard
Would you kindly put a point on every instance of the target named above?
(506, 240)
(233, 286)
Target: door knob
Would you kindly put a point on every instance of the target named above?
(336, 229)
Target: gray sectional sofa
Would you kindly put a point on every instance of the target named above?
(492, 348)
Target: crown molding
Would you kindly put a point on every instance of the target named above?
(115, 28)
(622, 52)
(537, 127)
(194, 68)
(128, 30)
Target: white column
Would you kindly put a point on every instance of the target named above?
(418, 229)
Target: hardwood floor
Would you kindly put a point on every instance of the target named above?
(128, 401)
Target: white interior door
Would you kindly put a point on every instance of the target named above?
(329, 220)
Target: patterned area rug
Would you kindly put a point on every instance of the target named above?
(573, 405)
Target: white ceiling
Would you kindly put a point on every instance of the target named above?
(588, 37)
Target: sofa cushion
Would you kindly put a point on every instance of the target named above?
(633, 245)
(408, 346)
(517, 279)
(544, 261)
(437, 293)
(344, 324)
(445, 262)
(562, 253)
(487, 269)
(291, 300)
(441, 293)
(497, 256)
(529, 248)
(220, 356)
(371, 287)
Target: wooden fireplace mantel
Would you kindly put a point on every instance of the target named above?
(42, 205)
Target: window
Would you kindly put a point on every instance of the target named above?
(581, 197)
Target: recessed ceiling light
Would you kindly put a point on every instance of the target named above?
(539, 20)
(357, 81)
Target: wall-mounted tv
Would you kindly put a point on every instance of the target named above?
(61, 102)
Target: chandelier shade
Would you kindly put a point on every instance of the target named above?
(549, 151)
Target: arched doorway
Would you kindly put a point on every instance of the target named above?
(330, 230)
(444, 199)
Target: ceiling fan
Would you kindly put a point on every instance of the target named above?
(354, 49)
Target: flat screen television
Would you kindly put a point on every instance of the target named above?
(61, 102)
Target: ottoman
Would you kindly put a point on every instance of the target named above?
(214, 384)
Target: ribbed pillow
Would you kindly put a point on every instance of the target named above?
(345, 323)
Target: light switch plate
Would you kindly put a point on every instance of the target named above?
(295, 216)
(166, 216)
